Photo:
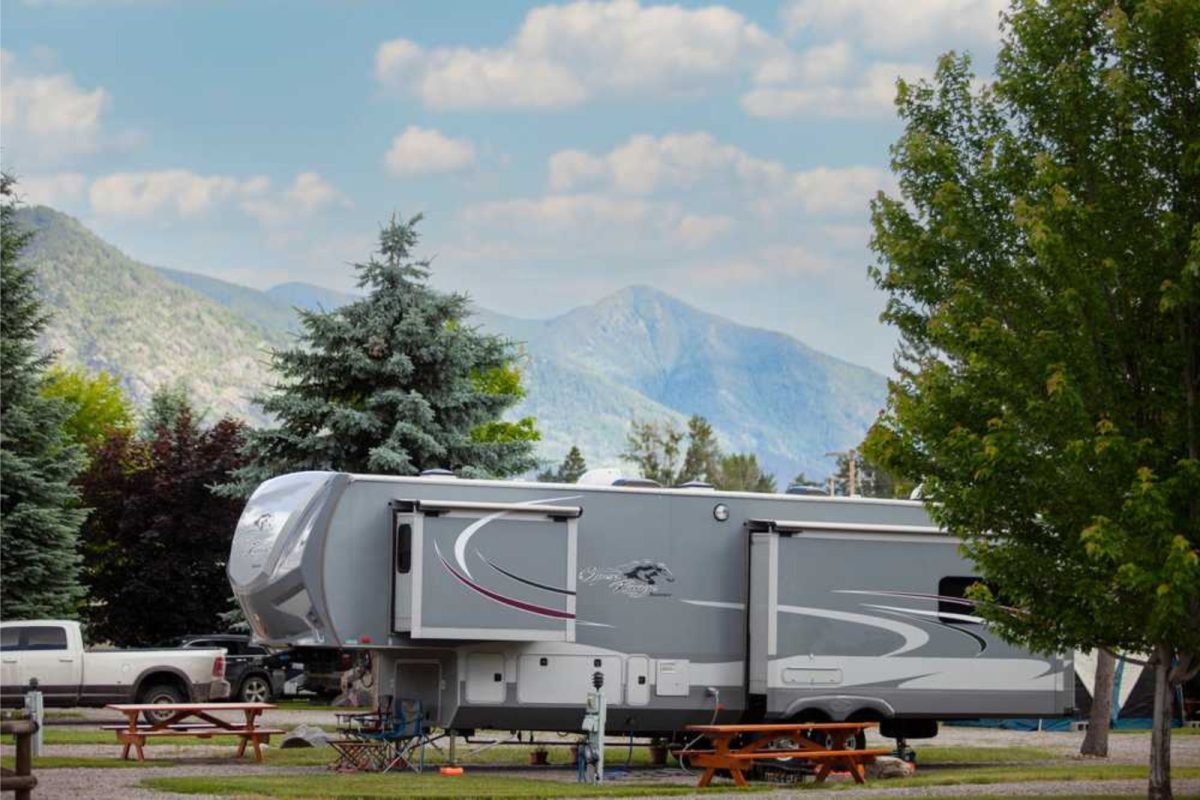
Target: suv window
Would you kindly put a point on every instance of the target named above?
(9, 638)
(45, 638)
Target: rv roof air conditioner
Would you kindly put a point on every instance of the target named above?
(437, 472)
(807, 489)
(611, 476)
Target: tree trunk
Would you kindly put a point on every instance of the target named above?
(1095, 743)
(1160, 740)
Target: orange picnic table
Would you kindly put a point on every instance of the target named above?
(736, 747)
(179, 723)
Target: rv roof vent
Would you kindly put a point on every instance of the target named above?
(806, 489)
(701, 485)
(637, 482)
(601, 476)
(436, 473)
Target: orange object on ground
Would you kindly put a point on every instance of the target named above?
(754, 743)
(451, 770)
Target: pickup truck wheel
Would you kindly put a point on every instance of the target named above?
(255, 689)
(164, 694)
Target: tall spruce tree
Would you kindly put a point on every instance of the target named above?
(568, 471)
(394, 383)
(40, 513)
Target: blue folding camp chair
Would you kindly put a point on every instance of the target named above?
(404, 733)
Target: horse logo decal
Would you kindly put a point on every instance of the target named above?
(635, 579)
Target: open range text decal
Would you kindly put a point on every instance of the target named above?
(632, 579)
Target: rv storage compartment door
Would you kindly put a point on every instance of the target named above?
(485, 571)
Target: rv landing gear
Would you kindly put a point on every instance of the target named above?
(904, 752)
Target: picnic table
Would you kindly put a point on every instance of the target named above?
(134, 734)
(736, 747)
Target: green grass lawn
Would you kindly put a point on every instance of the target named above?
(333, 787)
(294, 704)
(410, 785)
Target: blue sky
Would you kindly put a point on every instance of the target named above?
(559, 152)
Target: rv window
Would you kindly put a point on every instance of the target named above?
(952, 610)
(404, 548)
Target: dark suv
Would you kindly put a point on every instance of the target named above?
(254, 674)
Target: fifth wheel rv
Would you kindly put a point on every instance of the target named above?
(493, 603)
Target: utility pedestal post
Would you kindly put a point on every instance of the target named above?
(591, 752)
(36, 712)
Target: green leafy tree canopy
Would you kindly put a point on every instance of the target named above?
(1043, 270)
(97, 402)
(158, 530)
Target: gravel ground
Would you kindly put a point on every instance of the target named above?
(111, 784)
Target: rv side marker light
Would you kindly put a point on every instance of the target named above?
(720, 512)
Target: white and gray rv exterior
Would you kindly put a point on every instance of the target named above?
(495, 602)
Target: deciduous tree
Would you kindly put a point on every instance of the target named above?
(98, 404)
(1043, 270)
(157, 540)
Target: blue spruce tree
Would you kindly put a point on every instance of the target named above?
(39, 507)
(394, 383)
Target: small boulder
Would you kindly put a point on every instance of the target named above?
(305, 736)
(890, 767)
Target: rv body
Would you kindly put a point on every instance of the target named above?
(494, 603)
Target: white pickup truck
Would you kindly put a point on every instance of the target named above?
(52, 651)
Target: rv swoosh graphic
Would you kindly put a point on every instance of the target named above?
(979, 640)
(525, 581)
(460, 544)
(914, 637)
(512, 602)
(934, 614)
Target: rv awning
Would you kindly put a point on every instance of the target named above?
(434, 507)
(795, 526)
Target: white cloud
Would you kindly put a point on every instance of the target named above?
(183, 194)
(769, 264)
(646, 164)
(57, 189)
(870, 93)
(566, 212)
(683, 162)
(698, 230)
(420, 151)
(564, 55)
(899, 26)
(180, 192)
(47, 117)
(308, 194)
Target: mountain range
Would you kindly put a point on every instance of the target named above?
(637, 354)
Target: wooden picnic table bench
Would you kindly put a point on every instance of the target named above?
(736, 747)
(134, 734)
